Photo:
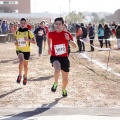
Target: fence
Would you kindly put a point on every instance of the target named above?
(107, 49)
(6, 37)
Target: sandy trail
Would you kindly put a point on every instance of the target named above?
(89, 85)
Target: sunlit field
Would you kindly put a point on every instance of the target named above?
(89, 84)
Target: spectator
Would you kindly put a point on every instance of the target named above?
(28, 24)
(100, 34)
(118, 36)
(12, 31)
(84, 35)
(113, 27)
(91, 36)
(0, 28)
(4, 27)
(47, 31)
(107, 34)
(79, 33)
(15, 26)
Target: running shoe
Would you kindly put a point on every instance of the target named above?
(54, 87)
(64, 93)
(18, 79)
(25, 81)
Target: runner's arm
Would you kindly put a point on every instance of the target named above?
(72, 43)
(70, 39)
(15, 39)
(49, 43)
(32, 40)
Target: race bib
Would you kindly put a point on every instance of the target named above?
(60, 49)
(113, 27)
(22, 42)
(40, 33)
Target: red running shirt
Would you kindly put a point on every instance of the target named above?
(59, 43)
(46, 29)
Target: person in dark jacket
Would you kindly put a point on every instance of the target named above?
(40, 33)
(107, 34)
(118, 36)
(84, 35)
(91, 36)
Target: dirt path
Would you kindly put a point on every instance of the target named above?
(89, 85)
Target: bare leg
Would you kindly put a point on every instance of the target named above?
(57, 68)
(25, 68)
(21, 62)
(64, 79)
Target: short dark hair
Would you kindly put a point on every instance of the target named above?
(90, 24)
(59, 19)
(23, 19)
(65, 25)
(106, 26)
(82, 24)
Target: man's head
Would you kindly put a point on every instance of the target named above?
(65, 27)
(82, 25)
(59, 22)
(41, 24)
(90, 25)
(23, 23)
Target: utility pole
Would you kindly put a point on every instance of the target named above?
(69, 5)
(60, 10)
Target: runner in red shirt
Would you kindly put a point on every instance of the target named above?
(58, 48)
(47, 31)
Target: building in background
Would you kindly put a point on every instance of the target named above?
(15, 6)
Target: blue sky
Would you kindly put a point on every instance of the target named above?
(77, 5)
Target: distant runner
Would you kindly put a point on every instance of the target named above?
(40, 34)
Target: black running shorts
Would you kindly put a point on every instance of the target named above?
(64, 62)
(26, 54)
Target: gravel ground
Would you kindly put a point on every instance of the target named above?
(89, 85)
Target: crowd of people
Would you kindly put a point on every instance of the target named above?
(103, 31)
(82, 31)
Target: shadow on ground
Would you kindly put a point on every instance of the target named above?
(38, 111)
(40, 78)
(1, 96)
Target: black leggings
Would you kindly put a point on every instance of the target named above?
(101, 40)
(40, 45)
(107, 42)
(91, 43)
(81, 45)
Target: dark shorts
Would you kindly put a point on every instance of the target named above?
(26, 54)
(64, 62)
